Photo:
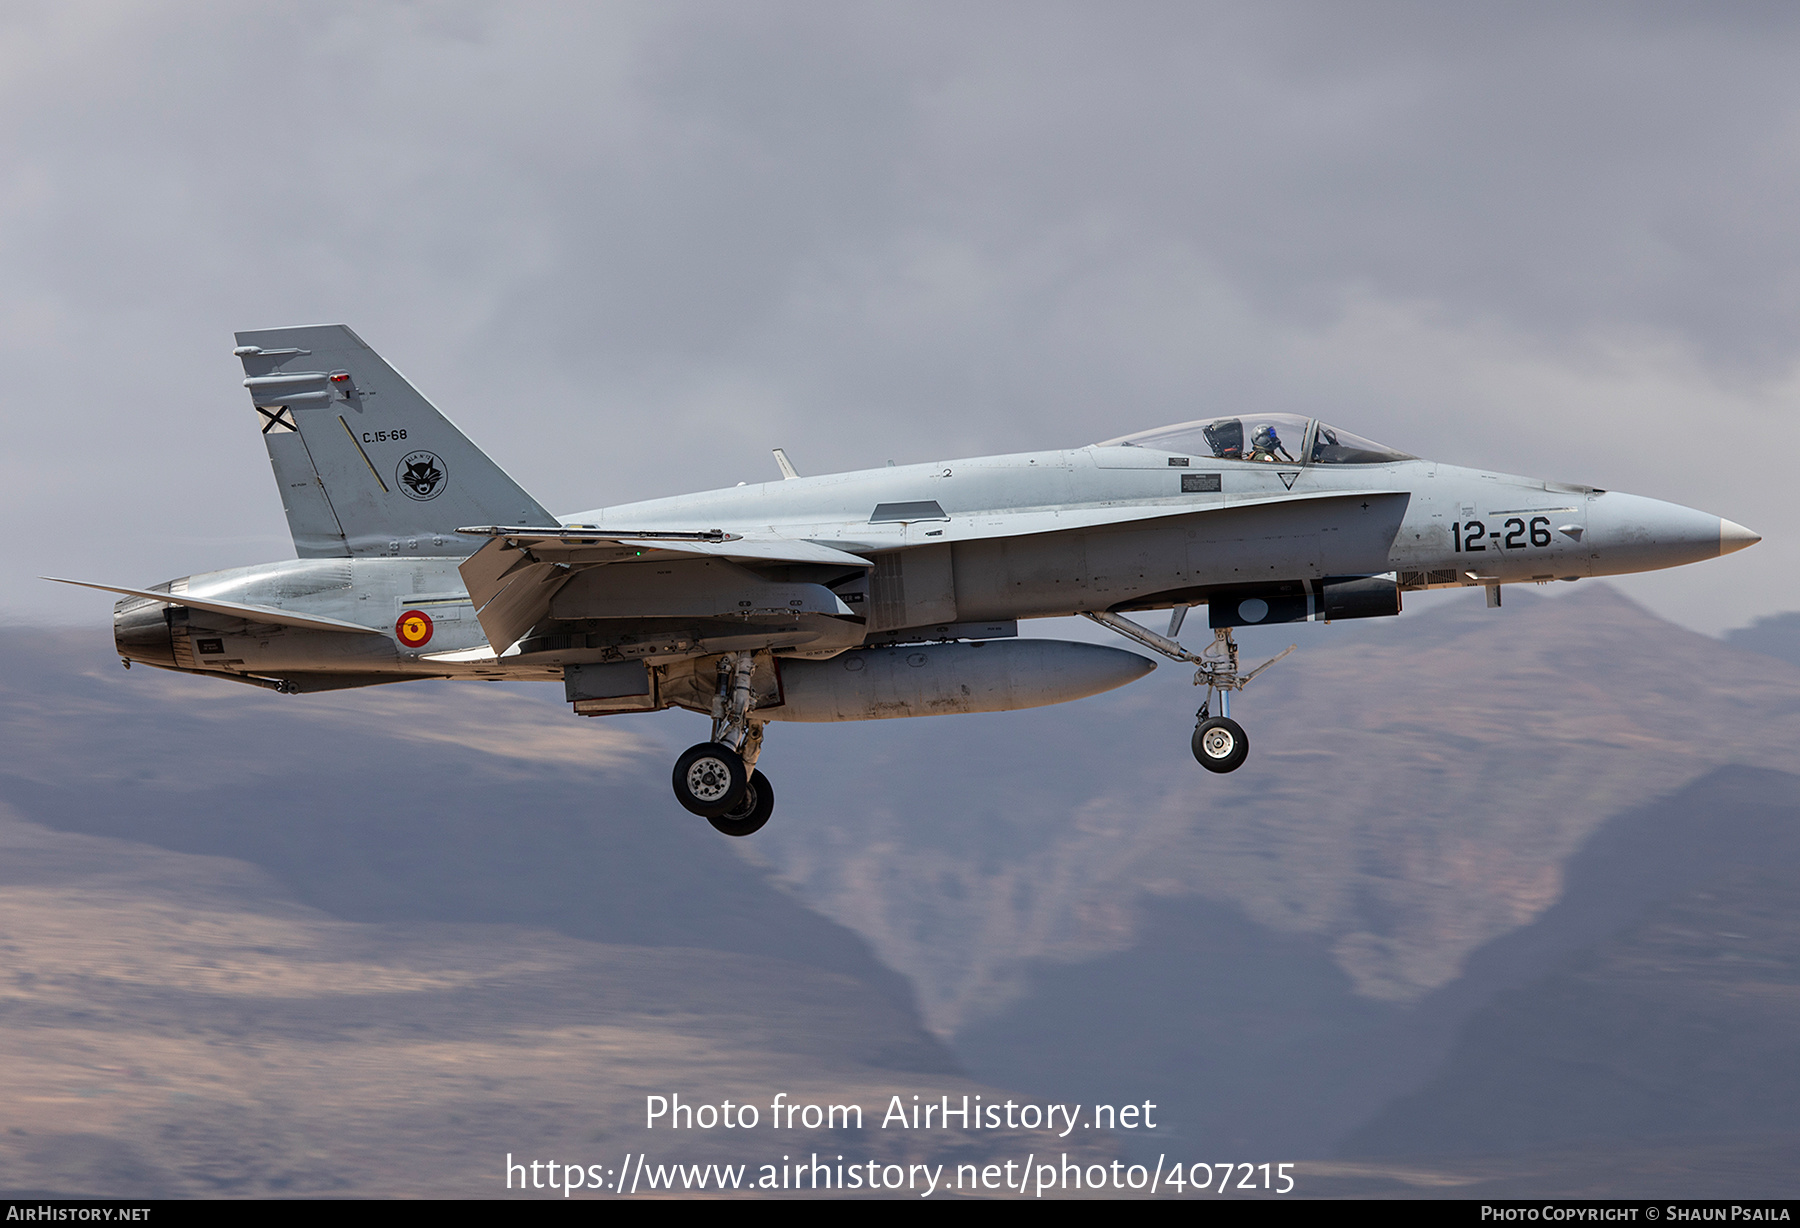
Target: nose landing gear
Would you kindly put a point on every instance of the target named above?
(1219, 743)
(718, 780)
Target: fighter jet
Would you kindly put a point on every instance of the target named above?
(887, 592)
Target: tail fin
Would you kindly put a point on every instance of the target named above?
(366, 465)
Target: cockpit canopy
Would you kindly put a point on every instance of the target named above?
(1280, 438)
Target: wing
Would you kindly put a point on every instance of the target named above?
(513, 578)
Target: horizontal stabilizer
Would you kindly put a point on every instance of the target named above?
(511, 590)
(234, 609)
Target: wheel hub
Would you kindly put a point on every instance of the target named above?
(708, 779)
(1218, 743)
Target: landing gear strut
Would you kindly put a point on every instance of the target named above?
(1219, 743)
(718, 780)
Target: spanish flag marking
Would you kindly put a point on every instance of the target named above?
(414, 628)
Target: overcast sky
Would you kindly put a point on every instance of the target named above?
(629, 248)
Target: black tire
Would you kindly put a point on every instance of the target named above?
(709, 779)
(1221, 745)
(752, 812)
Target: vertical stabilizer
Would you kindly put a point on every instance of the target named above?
(366, 465)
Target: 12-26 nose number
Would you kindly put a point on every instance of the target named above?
(1469, 537)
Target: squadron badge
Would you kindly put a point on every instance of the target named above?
(421, 475)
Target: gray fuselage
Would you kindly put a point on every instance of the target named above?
(988, 539)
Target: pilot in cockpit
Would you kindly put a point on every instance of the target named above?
(1265, 445)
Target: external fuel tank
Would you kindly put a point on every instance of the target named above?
(869, 684)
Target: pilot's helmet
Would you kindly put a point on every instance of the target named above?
(1265, 439)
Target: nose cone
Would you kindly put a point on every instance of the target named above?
(1630, 533)
(1734, 536)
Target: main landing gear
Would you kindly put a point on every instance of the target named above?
(1219, 743)
(718, 780)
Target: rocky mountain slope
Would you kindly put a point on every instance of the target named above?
(1666, 1000)
(1440, 812)
(372, 946)
(1650, 1008)
(1414, 788)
